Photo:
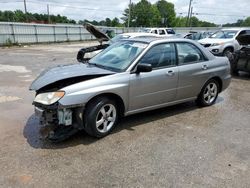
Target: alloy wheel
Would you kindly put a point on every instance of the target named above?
(106, 118)
(210, 93)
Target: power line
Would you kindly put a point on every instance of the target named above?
(12, 2)
(214, 8)
(66, 6)
(76, 2)
(75, 7)
(211, 14)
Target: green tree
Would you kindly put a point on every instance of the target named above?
(108, 22)
(180, 21)
(194, 22)
(146, 15)
(167, 13)
(132, 16)
(246, 22)
(19, 16)
(143, 14)
(115, 22)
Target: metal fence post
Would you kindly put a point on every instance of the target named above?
(13, 33)
(54, 33)
(80, 33)
(67, 33)
(36, 35)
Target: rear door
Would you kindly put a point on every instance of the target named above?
(193, 70)
(158, 86)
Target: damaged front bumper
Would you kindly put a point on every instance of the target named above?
(61, 122)
(59, 116)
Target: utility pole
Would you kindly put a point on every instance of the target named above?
(190, 19)
(48, 13)
(129, 13)
(25, 9)
(189, 9)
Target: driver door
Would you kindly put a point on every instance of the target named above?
(158, 87)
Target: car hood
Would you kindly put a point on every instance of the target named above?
(96, 32)
(67, 74)
(244, 39)
(211, 40)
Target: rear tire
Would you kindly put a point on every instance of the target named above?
(208, 94)
(100, 117)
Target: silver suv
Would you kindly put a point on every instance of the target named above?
(224, 41)
(128, 77)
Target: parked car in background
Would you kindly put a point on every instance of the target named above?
(159, 31)
(198, 35)
(132, 35)
(223, 41)
(128, 77)
(240, 59)
(87, 53)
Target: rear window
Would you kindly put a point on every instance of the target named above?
(170, 31)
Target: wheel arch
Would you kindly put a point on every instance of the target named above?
(119, 101)
(218, 79)
(228, 47)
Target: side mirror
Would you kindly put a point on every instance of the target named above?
(143, 68)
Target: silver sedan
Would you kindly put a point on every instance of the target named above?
(128, 77)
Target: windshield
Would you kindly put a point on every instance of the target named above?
(224, 34)
(118, 56)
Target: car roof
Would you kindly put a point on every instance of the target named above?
(159, 28)
(158, 39)
(138, 34)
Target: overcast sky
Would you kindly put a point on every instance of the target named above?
(216, 11)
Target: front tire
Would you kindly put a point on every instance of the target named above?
(208, 94)
(227, 52)
(100, 117)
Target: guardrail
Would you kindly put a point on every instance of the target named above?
(23, 33)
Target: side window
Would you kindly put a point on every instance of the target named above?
(162, 55)
(162, 32)
(155, 31)
(188, 53)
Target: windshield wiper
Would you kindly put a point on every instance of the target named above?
(98, 65)
(105, 67)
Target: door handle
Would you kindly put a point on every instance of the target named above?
(170, 73)
(204, 67)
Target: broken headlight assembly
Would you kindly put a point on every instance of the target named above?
(49, 98)
(217, 44)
